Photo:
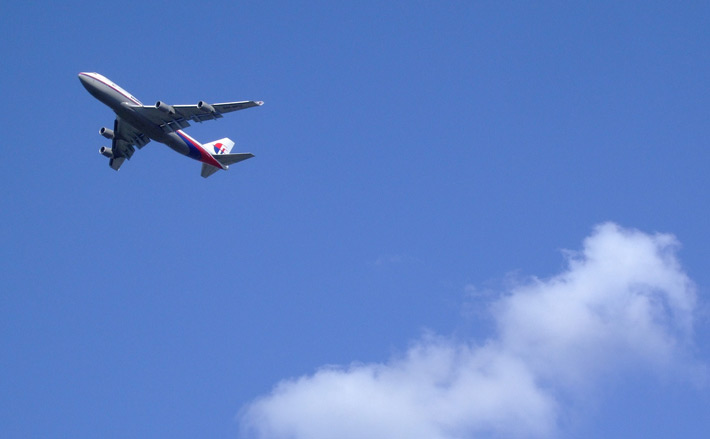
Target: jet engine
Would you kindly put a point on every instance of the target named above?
(207, 108)
(162, 106)
(105, 151)
(107, 133)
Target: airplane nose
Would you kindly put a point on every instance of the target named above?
(87, 81)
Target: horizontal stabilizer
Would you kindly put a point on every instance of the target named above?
(229, 159)
(225, 160)
(208, 170)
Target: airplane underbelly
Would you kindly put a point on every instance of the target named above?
(179, 141)
(140, 123)
(176, 144)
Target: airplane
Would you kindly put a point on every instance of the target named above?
(137, 124)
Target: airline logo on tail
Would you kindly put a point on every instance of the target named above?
(219, 148)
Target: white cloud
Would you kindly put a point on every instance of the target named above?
(623, 302)
(624, 299)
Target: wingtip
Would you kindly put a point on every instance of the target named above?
(260, 103)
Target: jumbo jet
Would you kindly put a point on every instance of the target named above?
(137, 124)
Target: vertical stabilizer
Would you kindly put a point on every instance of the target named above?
(219, 147)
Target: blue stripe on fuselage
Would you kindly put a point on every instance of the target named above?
(194, 152)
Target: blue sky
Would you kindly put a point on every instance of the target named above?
(461, 217)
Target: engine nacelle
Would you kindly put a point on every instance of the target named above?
(207, 108)
(107, 152)
(107, 133)
(162, 106)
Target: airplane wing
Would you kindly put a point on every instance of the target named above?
(124, 137)
(175, 117)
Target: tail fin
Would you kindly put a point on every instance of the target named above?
(220, 150)
(216, 148)
(219, 147)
